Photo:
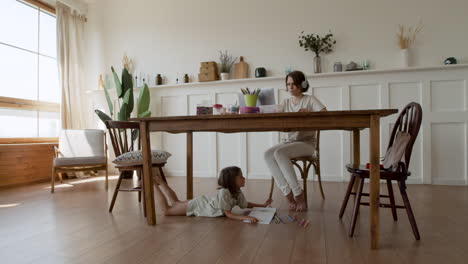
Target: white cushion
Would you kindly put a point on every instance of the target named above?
(133, 158)
(81, 143)
(78, 161)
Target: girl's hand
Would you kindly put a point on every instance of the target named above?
(303, 110)
(251, 219)
(268, 202)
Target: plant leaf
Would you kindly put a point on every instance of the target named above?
(106, 93)
(118, 86)
(145, 114)
(123, 112)
(128, 99)
(127, 82)
(143, 100)
(135, 134)
(103, 116)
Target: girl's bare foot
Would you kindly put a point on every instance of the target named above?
(292, 202)
(301, 203)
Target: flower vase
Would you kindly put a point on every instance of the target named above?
(224, 76)
(317, 64)
(405, 58)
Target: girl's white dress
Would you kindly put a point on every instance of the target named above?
(215, 206)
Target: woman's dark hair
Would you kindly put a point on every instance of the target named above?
(227, 179)
(298, 78)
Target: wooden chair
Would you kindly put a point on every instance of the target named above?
(79, 150)
(409, 122)
(124, 136)
(307, 162)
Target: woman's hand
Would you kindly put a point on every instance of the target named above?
(268, 202)
(303, 110)
(251, 219)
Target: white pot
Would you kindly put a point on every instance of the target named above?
(405, 58)
(224, 76)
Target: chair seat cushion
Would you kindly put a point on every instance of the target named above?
(133, 158)
(79, 161)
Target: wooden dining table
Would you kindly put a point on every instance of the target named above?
(352, 120)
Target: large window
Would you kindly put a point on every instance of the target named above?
(29, 86)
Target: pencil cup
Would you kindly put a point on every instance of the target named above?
(250, 100)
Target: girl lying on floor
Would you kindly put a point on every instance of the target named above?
(229, 195)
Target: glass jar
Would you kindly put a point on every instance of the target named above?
(337, 67)
(217, 109)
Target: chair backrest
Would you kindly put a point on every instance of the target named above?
(124, 136)
(82, 143)
(409, 121)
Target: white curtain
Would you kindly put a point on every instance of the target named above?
(70, 27)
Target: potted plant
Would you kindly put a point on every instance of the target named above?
(406, 36)
(226, 62)
(125, 100)
(318, 45)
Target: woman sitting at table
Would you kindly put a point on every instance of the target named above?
(294, 144)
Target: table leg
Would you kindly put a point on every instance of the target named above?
(189, 165)
(147, 176)
(374, 152)
(356, 154)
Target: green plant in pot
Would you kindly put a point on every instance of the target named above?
(226, 62)
(125, 100)
(318, 45)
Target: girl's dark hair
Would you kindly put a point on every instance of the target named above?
(298, 78)
(227, 179)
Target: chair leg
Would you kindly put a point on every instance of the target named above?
(107, 178)
(319, 178)
(304, 171)
(347, 195)
(411, 218)
(141, 185)
(271, 187)
(392, 200)
(357, 204)
(116, 190)
(52, 181)
(143, 192)
(304, 180)
(60, 177)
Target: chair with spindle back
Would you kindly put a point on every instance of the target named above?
(307, 162)
(408, 123)
(125, 140)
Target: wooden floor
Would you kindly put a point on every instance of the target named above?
(73, 226)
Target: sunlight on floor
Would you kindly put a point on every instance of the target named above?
(72, 182)
(94, 179)
(8, 205)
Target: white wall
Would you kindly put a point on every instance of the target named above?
(175, 36)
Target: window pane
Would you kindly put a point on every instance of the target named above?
(49, 124)
(19, 24)
(18, 70)
(47, 35)
(18, 123)
(48, 80)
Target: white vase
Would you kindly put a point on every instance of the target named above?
(405, 58)
(224, 76)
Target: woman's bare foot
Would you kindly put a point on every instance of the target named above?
(292, 202)
(301, 203)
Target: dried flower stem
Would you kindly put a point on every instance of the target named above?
(407, 36)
